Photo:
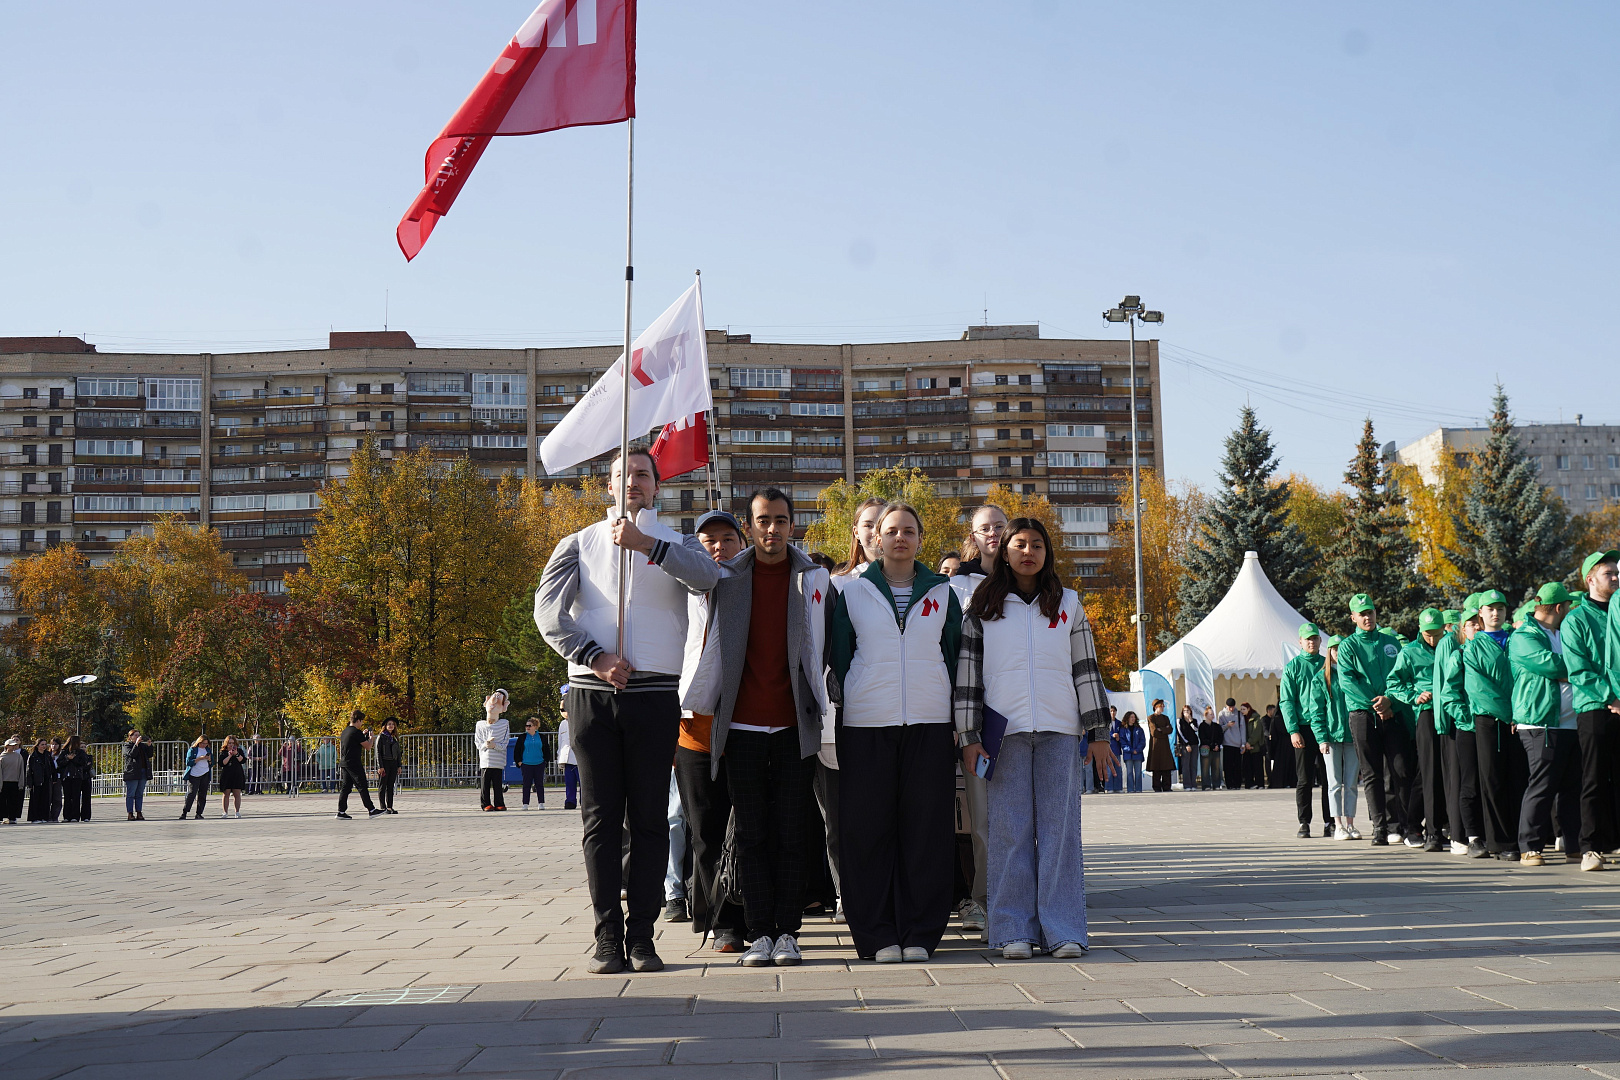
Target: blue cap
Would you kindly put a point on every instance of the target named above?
(564, 689)
(718, 515)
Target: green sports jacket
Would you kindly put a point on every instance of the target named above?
(1537, 671)
(1293, 694)
(1412, 677)
(1365, 660)
(1488, 674)
(1330, 719)
(1450, 688)
(1585, 656)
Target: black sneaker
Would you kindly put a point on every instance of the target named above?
(374, 811)
(1508, 856)
(1304, 831)
(1476, 850)
(675, 911)
(1327, 832)
(609, 958)
(570, 806)
(344, 816)
(1434, 843)
(643, 957)
(728, 941)
(1380, 840)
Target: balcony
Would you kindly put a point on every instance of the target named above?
(17, 401)
(364, 425)
(305, 427)
(34, 431)
(1011, 472)
(280, 400)
(434, 398)
(365, 399)
(1006, 444)
(21, 547)
(14, 487)
(97, 403)
(442, 425)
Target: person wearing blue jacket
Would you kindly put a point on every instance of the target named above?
(1132, 750)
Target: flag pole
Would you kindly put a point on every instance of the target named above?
(712, 496)
(624, 419)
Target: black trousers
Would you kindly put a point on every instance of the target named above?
(1470, 807)
(1232, 766)
(353, 778)
(1384, 750)
(1161, 779)
(492, 788)
(897, 833)
(196, 788)
(770, 795)
(707, 804)
(534, 776)
(624, 743)
(1254, 769)
(1503, 767)
(75, 800)
(1553, 786)
(1599, 733)
(386, 778)
(827, 799)
(1428, 799)
(1310, 770)
(11, 800)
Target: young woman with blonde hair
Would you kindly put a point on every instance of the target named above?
(232, 775)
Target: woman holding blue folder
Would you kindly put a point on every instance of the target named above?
(1028, 695)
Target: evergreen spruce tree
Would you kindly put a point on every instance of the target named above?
(1249, 514)
(1373, 553)
(1512, 534)
(105, 716)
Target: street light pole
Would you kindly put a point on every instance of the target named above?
(76, 681)
(1129, 310)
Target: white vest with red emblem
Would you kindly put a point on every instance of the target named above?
(896, 678)
(1028, 671)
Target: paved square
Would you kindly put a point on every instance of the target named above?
(448, 942)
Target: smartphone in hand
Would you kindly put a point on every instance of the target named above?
(981, 768)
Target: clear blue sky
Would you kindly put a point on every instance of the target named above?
(1400, 201)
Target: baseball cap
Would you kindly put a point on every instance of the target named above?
(1554, 593)
(1470, 607)
(1492, 596)
(564, 689)
(1451, 616)
(1525, 611)
(1362, 602)
(1431, 619)
(1308, 630)
(718, 515)
(1332, 641)
(1597, 557)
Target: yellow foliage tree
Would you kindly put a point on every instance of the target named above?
(1319, 513)
(1016, 504)
(57, 592)
(156, 582)
(550, 512)
(1431, 511)
(941, 514)
(323, 703)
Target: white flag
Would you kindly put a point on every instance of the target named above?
(669, 381)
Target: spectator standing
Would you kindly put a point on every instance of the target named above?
(291, 757)
(1211, 757)
(1187, 748)
(893, 648)
(1133, 749)
(1488, 676)
(1591, 660)
(325, 760)
(1411, 685)
(490, 737)
(1544, 716)
(137, 773)
(352, 746)
(1279, 749)
(1254, 747)
(624, 709)
(199, 771)
(530, 756)
(1383, 746)
(702, 779)
(1467, 812)
(232, 775)
(1232, 740)
(769, 612)
(1116, 783)
(389, 754)
(1330, 723)
(565, 756)
(41, 772)
(78, 771)
(55, 747)
(13, 778)
(1295, 698)
(1027, 653)
(1161, 763)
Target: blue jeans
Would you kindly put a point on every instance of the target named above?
(1133, 776)
(1209, 760)
(134, 795)
(1037, 871)
(674, 878)
(1342, 770)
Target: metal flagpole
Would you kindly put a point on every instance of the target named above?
(624, 419)
(711, 497)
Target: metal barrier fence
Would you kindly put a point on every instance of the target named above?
(310, 765)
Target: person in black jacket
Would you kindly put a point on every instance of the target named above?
(1211, 740)
(529, 754)
(137, 772)
(41, 773)
(389, 752)
(55, 748)
(77, 770)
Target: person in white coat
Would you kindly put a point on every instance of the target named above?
(1027, 657)
(565, 758)
(490, 737)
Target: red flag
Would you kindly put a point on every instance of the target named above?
(572, 63)
(680, 449)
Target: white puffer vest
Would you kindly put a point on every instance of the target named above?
(965, 584)
(655, 605)
(1028, 672)
(896, 678)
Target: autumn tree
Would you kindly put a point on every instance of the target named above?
(1016, 504)
(155, 583)
(941, 514)
(59, 595)
(1318, 514)
(421, 557)
(1432, 509)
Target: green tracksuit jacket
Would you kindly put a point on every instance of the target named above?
(1585, 655)
(1365, 661)
(1451, 712)
(1293, 695)
(1488, 675)
(1330, 719)
(1410, 678)
(1537, 673)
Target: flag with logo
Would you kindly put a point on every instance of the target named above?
(669, 382)
(572, 63)
(682, 446)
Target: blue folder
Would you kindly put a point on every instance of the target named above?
(992, 729)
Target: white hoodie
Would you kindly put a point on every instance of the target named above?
(490, 739)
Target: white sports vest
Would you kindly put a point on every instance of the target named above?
(655, 616)
(896, 678)
(1028, 672)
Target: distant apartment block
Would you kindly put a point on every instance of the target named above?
(1579, 462)
(95, 446)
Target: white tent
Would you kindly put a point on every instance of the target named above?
(1249, 637)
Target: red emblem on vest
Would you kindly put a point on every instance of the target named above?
(1062, 616)
(929, 607)
(817, 596)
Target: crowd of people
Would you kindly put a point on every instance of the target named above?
(756, 683)
(55, 777)
(1491, 734)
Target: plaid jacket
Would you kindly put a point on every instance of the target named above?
(968, 698)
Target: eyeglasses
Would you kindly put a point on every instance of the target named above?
(987, 530)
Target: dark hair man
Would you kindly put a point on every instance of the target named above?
(1593, 680)
(770, 614)
(624, 710)
(352, 760)
(1544, 719)
(1294, 694)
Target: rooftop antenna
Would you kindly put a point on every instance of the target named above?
(987, 309)
(385, 309)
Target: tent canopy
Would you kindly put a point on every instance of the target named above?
(1251, 632)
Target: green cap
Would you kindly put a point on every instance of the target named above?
(1472, 601)
(1308, 630)
(1331, 641)
(1361, 602)
(1431, 619)
(1595, 558)
(1554, 593)
(1492, 596)
(1450, 617)
(1526, 609)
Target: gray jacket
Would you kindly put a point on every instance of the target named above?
(730, 608)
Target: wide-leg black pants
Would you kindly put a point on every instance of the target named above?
(1599, 732)
(770, 795)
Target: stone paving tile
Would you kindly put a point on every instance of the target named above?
(1277, 1057)
(1523, 1047)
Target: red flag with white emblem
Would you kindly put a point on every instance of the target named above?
(571, 63)
(682, 446)
(669, 382)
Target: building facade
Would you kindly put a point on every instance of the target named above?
(96, 446)
(1579, 462)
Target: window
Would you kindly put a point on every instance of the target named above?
(868, 384)
(551, 417)
(114, 447)
(765, 435)
(441, 382)
(135, 504)
(814, 408)
(1026, 406)
(174, 420)
(499, 389)
(897, 384)
(819, 438)
(1004, 433)
(758, 408)
(174, 394)
(817, 380)
(1024, 380)
(105, 419)
(31, 393)
(287, 556)
(388, 388)
(127, 388)
(298, 500)
(760, 378)
(1586, 461)
(872, 440)
(237, 475)
(1083, 515)
(501, 442)
(880, 408)
(1085, 540)
(1026, 433)
(1076, 460)
(30, 421)
(741, 463)
(296, 527)
(1591, 491)
(236, 502)
(1001, 380)
(1614, 491)
(1003, 406)
(509, 416)
(927, 384)
(1614, 461)
(1561, 462)
(443, 440)
(268, 586)
(362, 388)
(362, 416)
(1563, 491)
(819, 464)
(1071, 431)
(956, 382)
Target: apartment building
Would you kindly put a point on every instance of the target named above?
(1580, 462)
(94, 446)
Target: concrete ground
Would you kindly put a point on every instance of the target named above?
(292, 946)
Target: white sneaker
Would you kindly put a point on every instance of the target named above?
(786, 953)
(1017, 950)
(1558, 843)
(1355, 833)
(1069, 950)
(759, 952)
(1458, 849)
(1591, 860)
(889, 954)
(1414, 840)
(914, 954)
(838, 912)
(972, 916)
(1342, 833)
